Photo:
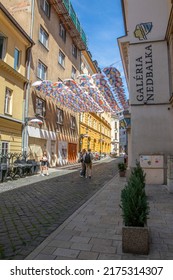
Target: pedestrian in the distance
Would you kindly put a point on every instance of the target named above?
(88, 157)
(83, 166)
(44, 164)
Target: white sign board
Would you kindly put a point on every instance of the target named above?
(151, 161)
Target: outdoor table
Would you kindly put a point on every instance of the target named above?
(22, 169)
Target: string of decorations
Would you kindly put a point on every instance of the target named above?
(102, 92)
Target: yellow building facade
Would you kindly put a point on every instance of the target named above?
(14, 43)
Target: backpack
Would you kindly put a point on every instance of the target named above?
(87, 158)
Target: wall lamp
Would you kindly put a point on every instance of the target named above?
(84, 135)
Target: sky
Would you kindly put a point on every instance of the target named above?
(102, 22)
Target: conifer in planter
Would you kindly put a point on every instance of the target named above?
(135, 211)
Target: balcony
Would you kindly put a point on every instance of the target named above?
(71, 22)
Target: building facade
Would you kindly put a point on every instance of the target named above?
(145, 50)
(115, 135)
(56, 56)
(15, 46)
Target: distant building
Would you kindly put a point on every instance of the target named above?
(115, 135)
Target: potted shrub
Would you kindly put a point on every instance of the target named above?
(122, 169)
(135, 211)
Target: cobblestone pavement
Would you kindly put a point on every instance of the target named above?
(94, 231)
(30, 213)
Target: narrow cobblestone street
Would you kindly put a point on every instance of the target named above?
(30, 213)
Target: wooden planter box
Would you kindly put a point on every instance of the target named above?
(135, 240)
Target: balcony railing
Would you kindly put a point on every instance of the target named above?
(75, 19)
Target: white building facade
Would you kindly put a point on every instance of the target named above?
(144, 53)
(115, 145)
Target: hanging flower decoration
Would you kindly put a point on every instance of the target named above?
(97, 93)
(104, 88)
(91, 105)
(115, 80)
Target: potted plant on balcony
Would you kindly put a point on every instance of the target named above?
(135, 211)
(122, 169)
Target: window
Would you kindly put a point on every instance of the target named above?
(42, 71)
(16, 59)
(40, 108)
(73, 122)
(74, 50)
(46, 7)
(4, 148)
(116, 136)
(81, 116)
(73, 73)
(2, 46)
(115, 125)
(62, 32)
(43, 37)
(8, 101)
(61, 59)
(60, 116)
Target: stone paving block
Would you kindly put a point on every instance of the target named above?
(109, 257)
(64, 258)
(103, 249)
(83, 255)
(66, 252)
(48, 250)
(44, 257)
(168, 241)
(82, 246)
(80, 239)
(89, 234)
(101, 241)
(60, 243)
(64, 237)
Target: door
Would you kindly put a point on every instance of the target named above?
(72, 152)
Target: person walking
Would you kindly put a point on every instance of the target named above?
(44, 164)
(83, 166)
(88, 157)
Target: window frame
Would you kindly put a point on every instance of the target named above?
(73, 122)
(74, 50)
(44, 40)
(6, 149)
(40, 108)
(17, 59)
(62, 32)
(43, 6)
(4, 46)
(60, 116)
(43, 66)
(8, 102)
(61, 59)
(73, 72)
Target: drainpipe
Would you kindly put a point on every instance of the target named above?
(27, 90)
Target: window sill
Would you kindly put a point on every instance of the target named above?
(61, 66)
(47, 49)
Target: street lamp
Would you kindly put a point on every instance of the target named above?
(32, 120)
